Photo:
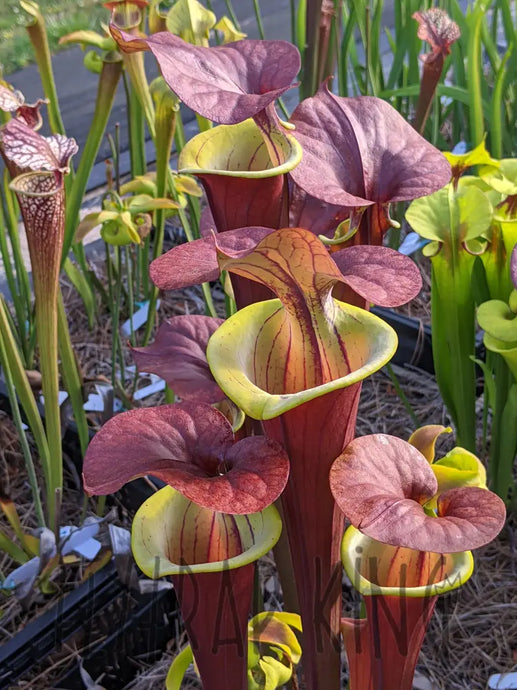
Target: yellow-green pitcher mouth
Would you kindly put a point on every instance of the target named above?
(239, 151)
(174, 536)
(235, 362)
(375, 568)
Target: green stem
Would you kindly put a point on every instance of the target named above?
(136, 126)
(503, 431)
(310, 58)
(47, 333)
(179, 134)
(475, 76)
(101, 505)
(38, 35)
(72, 378)
(165, 124)
(496, 108)
(106, 90)
(134, 64)
(19, 306)
(15, 412)
(453, 329)
(14, 365)
(10, 214)
(131, 298)
(232, 14)
(258, 17)
(292, 8)
(403, 397)
(116, 345)
(203, 124)
(169, 395)
(143, 267)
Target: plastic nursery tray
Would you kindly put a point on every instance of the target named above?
(414, 339)
(114, 624)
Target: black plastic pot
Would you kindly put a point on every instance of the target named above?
(112, 623)
(415, 344)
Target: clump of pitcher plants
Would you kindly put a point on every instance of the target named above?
(259, 450)
(291, 359)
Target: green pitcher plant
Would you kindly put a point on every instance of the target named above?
(498, 320)
(273, 652)
(454, 220)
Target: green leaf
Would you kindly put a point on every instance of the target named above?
(478, 156)
(141, 184)
(187, 185)
(191, 21)
(11, 549)
(508, 446)
(489, 382)
(143, 203)
(451, 217)
(457, 93)
(502, 179)
(71, 372)
(507, 350)
(178, 668)
(268, 628)
(82, 286)
(29, 543)
(275, 672)
(229, 30)
(24, 392)
(459, 468)
(496, 318)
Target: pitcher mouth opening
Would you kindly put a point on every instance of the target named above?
(238, 151)
(381, 569)
(166, 540)
(237, 373)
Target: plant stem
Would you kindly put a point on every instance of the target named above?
(402, 396)
(72, 377)
(15, 411)
(38, 35)
(14, 365)
(106, 90)
(258, 17)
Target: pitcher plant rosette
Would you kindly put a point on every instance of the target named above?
(285, 260)
(207, 527)
(298, 368)
(409, 542)
(294, 364)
